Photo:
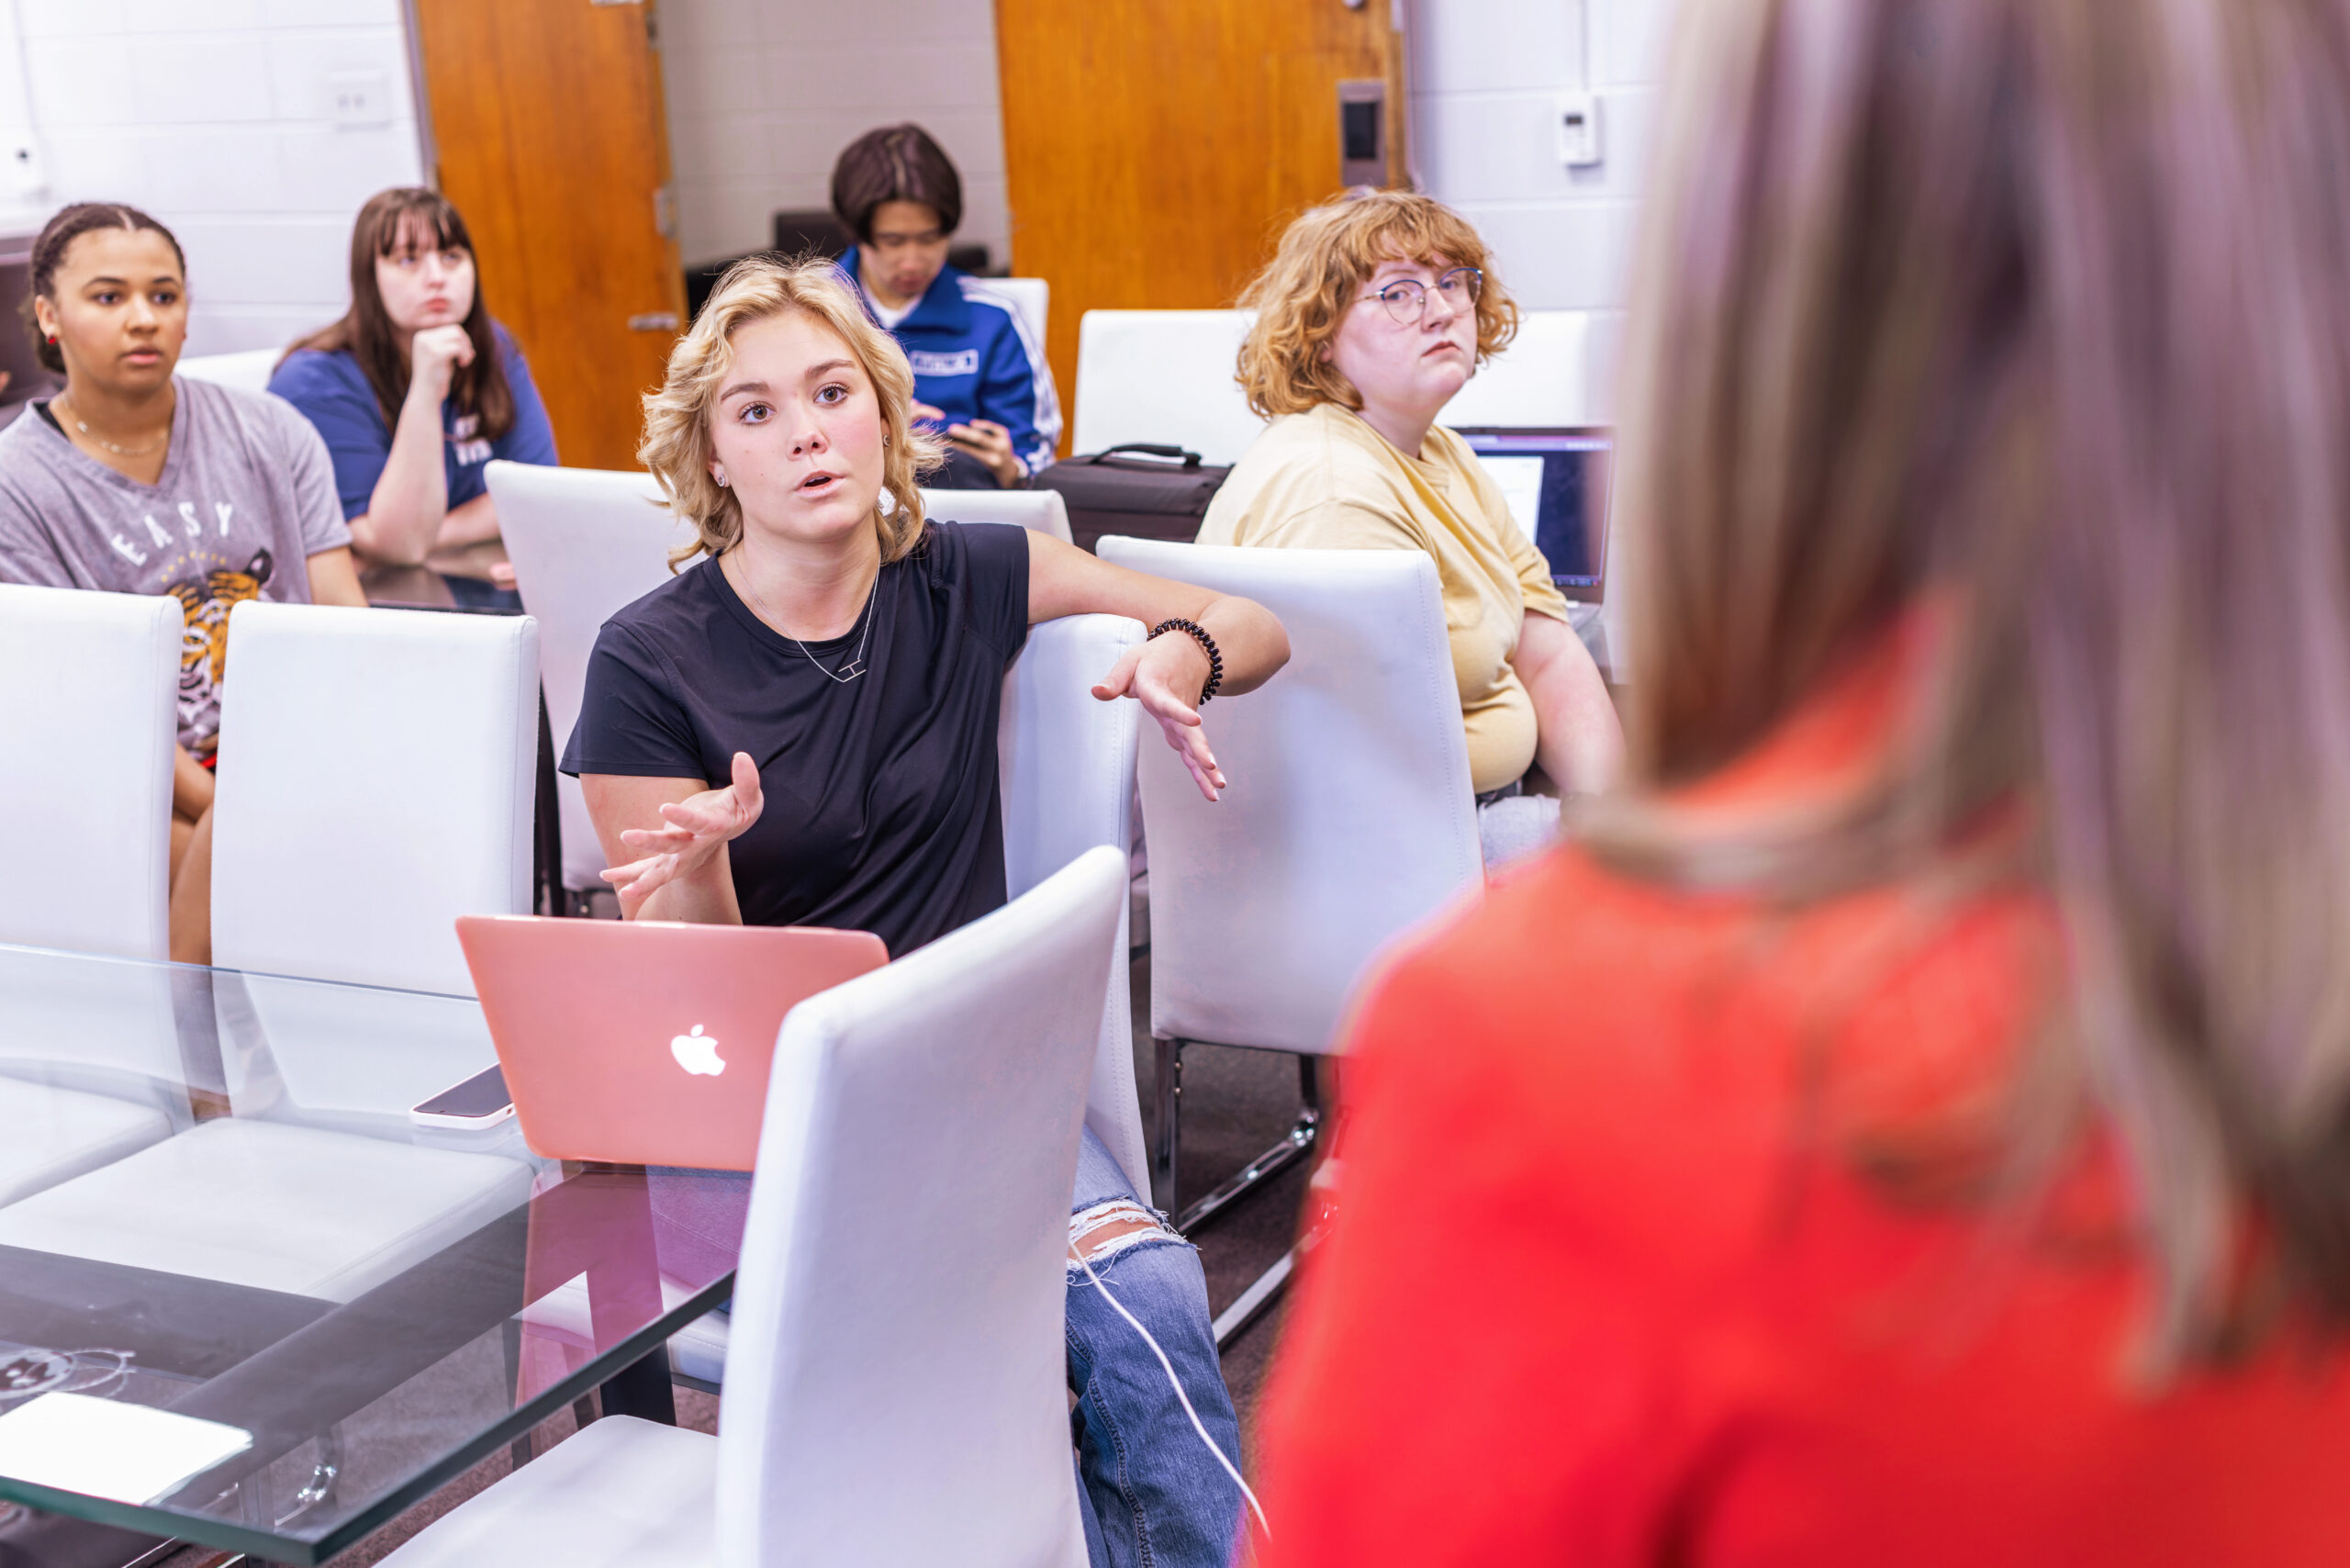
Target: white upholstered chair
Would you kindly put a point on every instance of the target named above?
(1029, 298)
(88, 683)
(376, 776)
(1166, 377)
(1539, 382)
(1163, 378)
(1067, 763)
(585, 543)
(898, 1392)
(89, 1059)
(1350, 819)
(1042, 510)
(248, 370)
(375, 783)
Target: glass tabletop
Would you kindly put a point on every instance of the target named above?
(247, 1300)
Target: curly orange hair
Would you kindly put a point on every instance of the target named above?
(1326, 257)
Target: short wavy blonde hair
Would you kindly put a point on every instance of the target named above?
(1324, 258)
(677, 446)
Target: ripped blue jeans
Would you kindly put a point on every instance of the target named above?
(1152, 1494)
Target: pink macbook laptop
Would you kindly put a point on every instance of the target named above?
(647, 1042)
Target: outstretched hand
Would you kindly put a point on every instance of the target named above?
(1154, 674)
(694, 830)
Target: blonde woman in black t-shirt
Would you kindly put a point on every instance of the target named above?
(848, 660)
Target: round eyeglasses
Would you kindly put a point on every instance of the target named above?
(1407, 298)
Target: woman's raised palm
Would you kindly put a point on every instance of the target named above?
(696, 828)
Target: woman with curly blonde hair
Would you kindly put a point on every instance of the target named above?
(1376, 310)
(834, 646)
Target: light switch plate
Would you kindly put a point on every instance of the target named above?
(360, 97)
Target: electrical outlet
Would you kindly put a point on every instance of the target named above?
(1575, 122)
(359, 97)
(27, 175)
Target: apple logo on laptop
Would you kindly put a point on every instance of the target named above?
(698, 1053)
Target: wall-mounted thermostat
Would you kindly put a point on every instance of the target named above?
(1576, 123)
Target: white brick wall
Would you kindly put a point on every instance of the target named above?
(1484, 78)
(763, 93)
(212, 114)
(215, 116)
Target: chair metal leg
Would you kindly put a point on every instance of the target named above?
(642, 1390)
(1296, 1145)
(1234, 1320)
(1165, 1148)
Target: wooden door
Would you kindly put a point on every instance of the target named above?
(1154, 150)
(551, 138)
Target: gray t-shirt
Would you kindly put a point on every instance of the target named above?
(246, 496)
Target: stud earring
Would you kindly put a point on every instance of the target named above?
(721, 478)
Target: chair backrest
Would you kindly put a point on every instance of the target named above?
(1539, 381)
(896, 1357)
(1029, 297)
(1040, 509)
(248, 370)
(376, 782)
(89, 689)
(1350, 817)
(1163, 378)
(585, 543)
(1067, 765)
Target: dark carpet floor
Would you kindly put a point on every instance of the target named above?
(1236, 1104)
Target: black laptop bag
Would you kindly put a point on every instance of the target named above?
(1150, 492)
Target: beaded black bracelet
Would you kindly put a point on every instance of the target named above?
(1215, 659)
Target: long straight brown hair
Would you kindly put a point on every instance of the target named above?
(2038, 311)
(412, 218)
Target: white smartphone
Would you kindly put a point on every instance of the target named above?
(479, 1101)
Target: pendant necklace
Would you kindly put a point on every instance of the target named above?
(856, 665)
(119, 451)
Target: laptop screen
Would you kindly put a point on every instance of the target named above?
(1557, 484)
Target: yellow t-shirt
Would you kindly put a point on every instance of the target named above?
(1324, 480)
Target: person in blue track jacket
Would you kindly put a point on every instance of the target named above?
(980, 373)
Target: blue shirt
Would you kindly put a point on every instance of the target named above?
(973, 358)
(332, 393)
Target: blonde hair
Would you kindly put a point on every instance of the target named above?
(677, 446)
(2033, 308)
(1326, 256)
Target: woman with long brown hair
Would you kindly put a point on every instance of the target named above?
(417, 390)
(1912, 1123)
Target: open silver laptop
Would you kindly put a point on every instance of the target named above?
(1559, 484)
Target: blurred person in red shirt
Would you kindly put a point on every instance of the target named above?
(1910, 1124)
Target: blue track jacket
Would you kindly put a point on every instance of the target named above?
(973, 358)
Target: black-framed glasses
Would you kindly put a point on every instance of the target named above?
(1407, 298)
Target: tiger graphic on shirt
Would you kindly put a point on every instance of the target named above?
(205, 598)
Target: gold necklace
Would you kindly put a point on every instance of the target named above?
(156, 446)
